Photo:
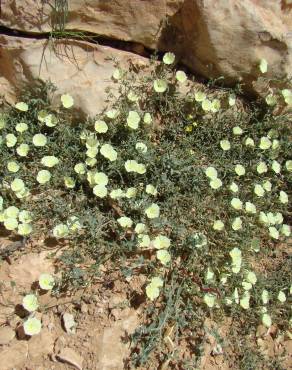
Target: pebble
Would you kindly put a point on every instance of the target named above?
(71, 357)
(69, 323)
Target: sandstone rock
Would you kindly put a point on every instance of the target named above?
(75, 67)
(214, 38)
(41, 344)
(111, 350)
(28, 268)
(15, 355)
(6, 335)
(104, 18)
(71, 357)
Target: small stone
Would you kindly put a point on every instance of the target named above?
(71, 357)
(84, 308)
(6, 335)
(69, 323)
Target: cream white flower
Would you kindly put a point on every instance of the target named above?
(39, 140)
(49, 161)
(150, 189)
(237, 224)
(249, 142)
(141, 147)
(144, 240)
(11, 140)
(163, 256)
(10, 223)
(206, 105)
(125, 222)
(237, 130)
(117, 194)
(200, 96)
(262, 168)
(46, 281)
(288, 165)
(225, 144)
(23, 107)
(267, 185)
(161, 242)
(233, 187)
(250, 207)
(32, 326)
(69, 182)
(160, 86)
(181, 76)
(100, 178)
(132, 97)
(251, 277)
(283, 197)
(43, 176)
(286, 230)
(17, 185)
(274, 233)
(60, 231)
(210, 299)
(263, 66)
(215, 183)
(147, 119)
(22, 150)
(276, 167)
(21, 127)
(140, 228)
(13, 166)
(211, 172)
(265, 143)
(112, 113)
(236, 203)
(265, 296)
(236, 257)
(168, 58)
(24, 229)
(100, 126)
(51, 120)
(131, 193)
(215, 105)
(100, 191)
(239, 170)
(92, 152)
(67, 101)
(117, 74)
(231, 100)
(152, 211)
(108, 152)
(30, 302)
(282, 296)
(259, 190)
(25, 216)
(271, 99)
(133, 120)
(152, 291)
(12, 212)
(80, 168)
(218, 225)
(266, 320)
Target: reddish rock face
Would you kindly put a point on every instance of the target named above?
(213, 38)
(75, 67)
